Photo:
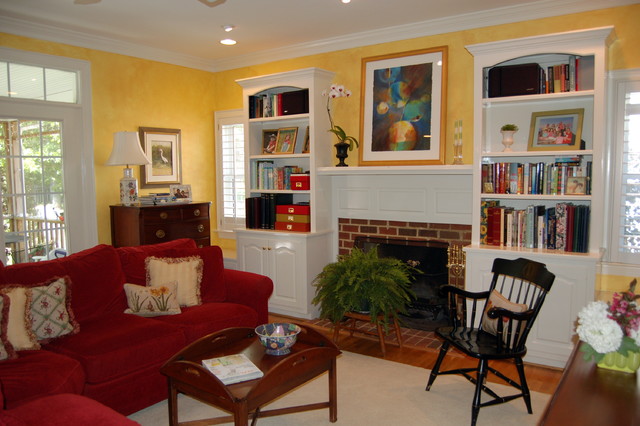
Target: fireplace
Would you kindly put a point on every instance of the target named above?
(428, 310)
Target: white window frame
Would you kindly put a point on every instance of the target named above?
(616, 263)
(225, 226)
(78, 161)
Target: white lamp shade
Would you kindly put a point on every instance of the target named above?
(127, 150)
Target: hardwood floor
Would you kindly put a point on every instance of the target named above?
(540, 379)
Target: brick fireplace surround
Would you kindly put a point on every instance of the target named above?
(417, 231)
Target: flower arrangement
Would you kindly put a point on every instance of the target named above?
(338, 91)
(611, 327)
(509, 128)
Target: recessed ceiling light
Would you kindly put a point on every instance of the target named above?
(228, 28)
(346, 1)
(228, 42)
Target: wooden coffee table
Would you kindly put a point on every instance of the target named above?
(312, 355)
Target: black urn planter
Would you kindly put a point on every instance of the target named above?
(342, 153)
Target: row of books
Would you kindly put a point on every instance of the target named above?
(564, 227)
(569, 77)
(279, 104)
(261, 210)
(154, 198)
(268, 176)
(559, 178)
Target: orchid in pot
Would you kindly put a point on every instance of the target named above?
(345, 141)
(611, 331)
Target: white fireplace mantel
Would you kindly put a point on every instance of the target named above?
(396, 170)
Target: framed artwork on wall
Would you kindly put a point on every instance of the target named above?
(404, 108)
(162, 147)
(556, 130)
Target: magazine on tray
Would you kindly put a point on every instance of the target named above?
(233, 368)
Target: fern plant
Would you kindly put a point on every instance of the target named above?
(383, 282)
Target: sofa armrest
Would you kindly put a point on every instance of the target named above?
(249, 289)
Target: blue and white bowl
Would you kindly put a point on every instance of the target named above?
(278, 337)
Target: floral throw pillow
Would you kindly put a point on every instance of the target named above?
(497, 300)
(50, 310)
(6, 349)
(152, 301)
(186, 271)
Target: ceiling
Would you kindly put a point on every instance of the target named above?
(187, 32)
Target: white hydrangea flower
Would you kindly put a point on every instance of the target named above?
(635, 335)
(595, 328)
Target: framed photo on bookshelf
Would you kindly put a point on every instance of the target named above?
(556, 130)
(286, 141)
(576, 185)
(403, 112)
(269, 141)
(305, 148)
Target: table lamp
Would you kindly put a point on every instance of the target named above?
(127, 152)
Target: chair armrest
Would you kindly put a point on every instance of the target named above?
(464, 293)
(247, 288)
(494, 313)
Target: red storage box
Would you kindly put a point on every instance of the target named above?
(300, 182)
(297, 218)
(293, 227)
(293, 209)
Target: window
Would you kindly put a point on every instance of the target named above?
(230, 171)
(48, 184)
(625, 213)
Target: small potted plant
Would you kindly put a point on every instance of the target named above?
(344, 141)
(507, 136)
(364, 281)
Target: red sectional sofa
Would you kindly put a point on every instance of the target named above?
(115, 357)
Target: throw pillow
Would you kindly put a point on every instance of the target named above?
(186, 271)
(19, 330)
(497, 300)
(50, 310)
(152, 301)
(6, 349)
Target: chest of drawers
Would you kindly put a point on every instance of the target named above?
(138, 225)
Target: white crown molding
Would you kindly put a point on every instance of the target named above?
(510, 14)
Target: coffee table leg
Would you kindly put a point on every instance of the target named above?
(333, 392)
(241, 414)
(173, 405)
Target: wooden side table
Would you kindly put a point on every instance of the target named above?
(353, 317)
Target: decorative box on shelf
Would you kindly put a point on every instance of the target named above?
(300, 182)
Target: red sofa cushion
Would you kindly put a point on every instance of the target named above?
(95, 274)
(132, 258)
(119, 344)
(198, 321)
(39, 373)
(64, 410)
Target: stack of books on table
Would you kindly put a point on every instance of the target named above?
(233, 368)
(155, 198)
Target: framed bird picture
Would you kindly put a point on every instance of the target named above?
(162, 147)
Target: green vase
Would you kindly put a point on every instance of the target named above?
(619, 362)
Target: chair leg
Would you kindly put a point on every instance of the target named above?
(523, 383)
(482, 373)
(436, 368)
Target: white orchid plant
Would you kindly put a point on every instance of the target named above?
(339, 91)
(611, 327)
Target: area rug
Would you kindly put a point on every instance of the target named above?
(371, 392)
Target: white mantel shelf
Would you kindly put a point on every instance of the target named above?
(466, 169)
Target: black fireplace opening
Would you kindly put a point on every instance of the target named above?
(429, 310)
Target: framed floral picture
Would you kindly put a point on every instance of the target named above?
(162, 147)
(404, 108)
(556, 130)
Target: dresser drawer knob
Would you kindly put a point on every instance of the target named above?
(196, 212)
(201, 228)
(160, 233)
(164, 215)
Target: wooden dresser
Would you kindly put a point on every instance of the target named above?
(138, 225)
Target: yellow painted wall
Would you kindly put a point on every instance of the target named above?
(130, 92)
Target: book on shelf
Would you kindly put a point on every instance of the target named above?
(261, 210)
(563, 227)
(269, 176)
(233, 368)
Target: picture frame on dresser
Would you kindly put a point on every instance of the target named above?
(162, 147)
(556, 130)
(403, 110)
(181, 192)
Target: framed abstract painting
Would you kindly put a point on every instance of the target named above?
(403, 108)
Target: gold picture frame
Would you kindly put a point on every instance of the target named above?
(556, 130)
(162, 147)
(403, 108)
(286, 143)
